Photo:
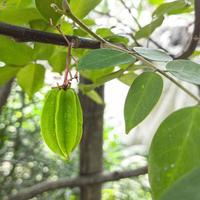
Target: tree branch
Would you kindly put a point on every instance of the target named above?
(76, 182)
(196, 33)
(22, 34)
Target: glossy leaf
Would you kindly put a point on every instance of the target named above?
(153, 54)
(185, 70)
(7, 73)
(175, 149)
(185, 188)
(31, 78)
(147, 30)
(103, 58)
(47, 11)
(81, 8)
(14, 53)
(143, 95)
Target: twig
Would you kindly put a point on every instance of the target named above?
(131, 52)
(40, 188)
(22, 34)
(195, 35)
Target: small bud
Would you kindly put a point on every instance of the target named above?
(65, 6)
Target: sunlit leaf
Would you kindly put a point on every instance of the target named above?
(31, 78)
(81, 8)
(7, 73)
(15, 15)
(14, 53)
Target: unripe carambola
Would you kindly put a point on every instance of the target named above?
(61, 121)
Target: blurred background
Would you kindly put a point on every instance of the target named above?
(24, 158)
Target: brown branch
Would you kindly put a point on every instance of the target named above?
(196, 33)
(22, 34)
(35, 190)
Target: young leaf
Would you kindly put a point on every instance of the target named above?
(81, 8)
(47, 11)
(185, 188)
(103, 58)
(147, 30)
(31, 78)
(143, 95)
(175, 149)
(7, 73)
(185, 70)
(14, 53)
(153, 54)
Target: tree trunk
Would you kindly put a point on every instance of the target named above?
(4, 93)
(91, 148)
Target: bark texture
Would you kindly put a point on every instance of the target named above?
(91, 148)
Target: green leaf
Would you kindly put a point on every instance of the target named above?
(95, 97)
(117, 39)
(156, 2)
(147, 30)
(153, 54)
(16, 3)
(143, 95)
(14, 15)
(128, 78)
(7, 73)
(14, 53)
(104, 32)
(47, 11)
(58, 61)
(94, 75)
(185, 70)
(31, 78)
(43, 51)
(185, 188)
(171, 8)
(39, 24)
(81, 8)
(103, 58)
(175, 149)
